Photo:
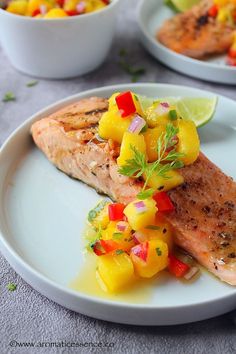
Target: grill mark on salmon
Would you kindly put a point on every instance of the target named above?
(204, 219)
(195, 34)
(68, 139)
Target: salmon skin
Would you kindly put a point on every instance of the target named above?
(204, 220)
(195, 34)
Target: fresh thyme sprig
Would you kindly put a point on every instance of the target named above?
(167, 159)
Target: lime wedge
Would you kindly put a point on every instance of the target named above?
(183, 5)
(199, 110)
(145, 102)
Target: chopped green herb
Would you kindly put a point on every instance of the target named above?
(9, 96)
(138, 165)
(123, 52)
(92, 242)
(11, 286)
(145, 194)
(118, 252)
(158, 251)
(173, 114)
(134, 72)
(117, 235)
(93, 213)
(144, 129)
(32, 83)
(136, 98)
(152, 227)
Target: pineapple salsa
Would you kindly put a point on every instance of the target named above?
(54, 8)
(135, 240)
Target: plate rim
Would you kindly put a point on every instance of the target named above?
(12, 256)
(178, 56)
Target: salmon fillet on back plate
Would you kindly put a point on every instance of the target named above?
(195, 34)
(204, 219)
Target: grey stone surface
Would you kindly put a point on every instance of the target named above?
(27, 316)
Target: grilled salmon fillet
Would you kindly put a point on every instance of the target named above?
(195, 34)
(68, 138)
(204, 219)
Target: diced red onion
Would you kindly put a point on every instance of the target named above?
(165, 104)
(81, 7)
(137, 124)
(140, 207)
(121, 226)
(162, 109)
(192, 271)
(139, 237)
(43, 9)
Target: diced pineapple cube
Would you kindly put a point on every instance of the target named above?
(116, 270)
(18, 7)
(158, 115)
(221, 3)
(161, 230)
(124, 238)
(164, 184)
(137, 105)
(112, 101)
(70, 5)
(90, 6)
(130, 140)
(113, 126)
(157, 259)
(223, 15)
(34, 5)
(137, 219)
(151, 136)
(55, 13)
(189, 143)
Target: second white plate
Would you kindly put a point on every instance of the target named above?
(151, 15)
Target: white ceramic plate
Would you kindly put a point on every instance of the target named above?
(151, 15)
(42, 216)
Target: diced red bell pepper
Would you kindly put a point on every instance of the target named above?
(141, 250)
(163, 202)
(231, 61)
(36, 12)
(116, 211)
(177, 267)
(107, 2)
(60, 2)
(232, 53)
(72, 12)
(109, 245)
(97, 248)
(213, 11)
(125, 103)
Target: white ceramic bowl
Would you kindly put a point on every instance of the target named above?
(58, 48)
